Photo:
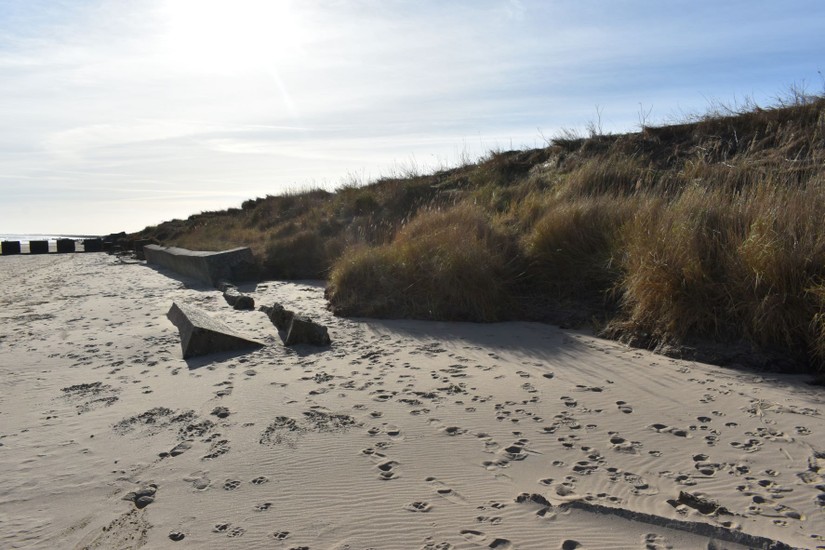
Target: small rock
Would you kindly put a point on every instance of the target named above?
(144, 501)
(142, 497)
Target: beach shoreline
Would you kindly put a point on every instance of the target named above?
(401, 434)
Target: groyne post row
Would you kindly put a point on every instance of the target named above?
(63, 246)
(67, 246)
(234, 265)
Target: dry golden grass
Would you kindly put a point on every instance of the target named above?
(710, 229)
(445, 264)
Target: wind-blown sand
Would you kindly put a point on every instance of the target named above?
(402, 434)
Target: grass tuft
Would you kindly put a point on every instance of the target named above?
(444, 264)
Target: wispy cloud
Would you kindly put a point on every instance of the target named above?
(211, 98)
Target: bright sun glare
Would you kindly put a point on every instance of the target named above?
(230, 36)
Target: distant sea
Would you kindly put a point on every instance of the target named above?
(26, 237)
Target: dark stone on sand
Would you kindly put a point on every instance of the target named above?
(143, 497)
(209, 267)
(200, 334)
(280, 316)
(92, 245)
(303, 330)
(38, 247)
(7, 248)
(144, 501)
(176, 536)
(238, 299)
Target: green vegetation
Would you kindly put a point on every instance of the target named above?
(708, 231)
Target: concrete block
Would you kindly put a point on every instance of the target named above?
(38, 247)
(200, 334)
(280, 316)
(7, 248)
(65, 246)
(92, 245)
(238, 299)
(236, 264)
(138, 247)
(303, 330)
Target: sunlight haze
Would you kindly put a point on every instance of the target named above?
(119, 115)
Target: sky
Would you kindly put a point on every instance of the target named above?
(120, 114)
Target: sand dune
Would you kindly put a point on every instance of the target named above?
(402, 434)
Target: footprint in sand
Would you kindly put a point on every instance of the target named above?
(445, 491)
(620, 444)
(235, 532)
(199, 480)
(418, 506)
(624, 407)
(386, 470)
(652, 541)
(663, 428)
(231, 484)
(568, 401)
(749, 446)
(472, 535)
(493, 465)
(582, 387)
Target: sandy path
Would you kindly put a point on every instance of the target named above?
(401, 435)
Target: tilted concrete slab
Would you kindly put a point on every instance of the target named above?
(236, 264)
(200, 334)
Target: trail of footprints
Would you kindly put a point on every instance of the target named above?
(453, 387)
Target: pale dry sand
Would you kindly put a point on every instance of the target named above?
(401, 435)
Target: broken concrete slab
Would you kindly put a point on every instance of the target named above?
(200, 334)
(280, 316)
(209, 267)
(299, 329)
(235, 297)
(303, 330)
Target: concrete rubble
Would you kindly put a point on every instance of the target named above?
(200, 334)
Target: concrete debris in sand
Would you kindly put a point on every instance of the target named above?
(299, 329)
(200, 334)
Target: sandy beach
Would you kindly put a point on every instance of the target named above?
(401, 434)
